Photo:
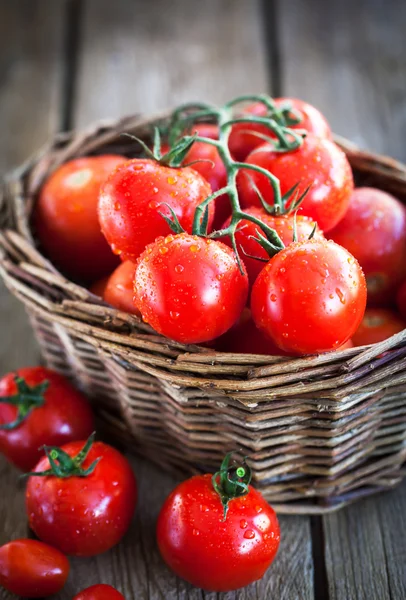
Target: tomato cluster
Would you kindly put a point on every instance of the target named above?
(243, 209)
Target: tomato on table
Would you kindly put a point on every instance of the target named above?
(374, 231)
(318, 165)
(100, 591)
(284, 226)
(32, 569)
(242, 141)
(189, 288)
(38, 406)
(377, 325)
(65, 217)
(217, 532)
(82, 504)
(310, 297)
(135, 195)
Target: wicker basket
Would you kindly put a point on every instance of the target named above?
(319, 431)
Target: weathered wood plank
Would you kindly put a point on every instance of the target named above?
(145, 56)
(348, 58)
(30, 75)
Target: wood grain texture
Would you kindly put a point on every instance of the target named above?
(145, 56)
(349, 59)
(30, 77)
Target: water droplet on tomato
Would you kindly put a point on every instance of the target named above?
(174, 315)
(249, 534)
(194, 248)
(172, 180)
(163, 250)
(117, 206)
(340, 295)
(243, 524)
(179, 268)
(273, 297)
(195, 532)
(155, 190)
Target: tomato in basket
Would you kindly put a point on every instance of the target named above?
(119, 290)
(377, 325)
(243, 139)
(100, 591)
(65, 217)
(217, 532)
(81, 498)
(318, 165)
(249, 249)
(310, 297)
(189, 288)
(38, 406)
(135, 196)
(32, 569)
(374, 231)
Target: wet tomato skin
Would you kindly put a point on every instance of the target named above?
(32, 569)
(374, 231)
(401, 300)
(65, 217)
(282, 225)
(83, 516)
(242, 142)
(133, 197)
(189, 288)
(310, 297)
(65, 416)
(377, 325)
(212, 553)
(100, 591)
(119, 290)
(318, 163)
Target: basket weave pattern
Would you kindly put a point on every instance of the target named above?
(318, 431)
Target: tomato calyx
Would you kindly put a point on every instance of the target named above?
(63, 465)
(26, 399)
(174, 157)
(231, 481)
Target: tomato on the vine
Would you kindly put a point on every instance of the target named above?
(65, 217)
(401, 300)
(210, 165)
(243, 139)
(101, 591)
(32, 569)
(189, 288)
(217, 532)
(310, 297)
(38, 406)
(133, 198)
(377, 325)
(374, 231)
(284, 226)
(84, 502)
(318, 165)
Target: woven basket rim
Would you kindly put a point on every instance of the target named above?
(250, 379)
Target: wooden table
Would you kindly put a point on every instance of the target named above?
(66, 63)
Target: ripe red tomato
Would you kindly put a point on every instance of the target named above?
(133, 197)
(213, 170)
(32, 569)
(242, 142)
(310, 297)
(82, 515)
(246, 338)
(65, 217)
(377, 325)
(282, 225)
(100, 591)
(119, 291)
(212, 552)
(374, 231)
(318, 163)
(189, 288)
(401, 300)
(50, 410)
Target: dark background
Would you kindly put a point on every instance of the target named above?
(67, 63)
